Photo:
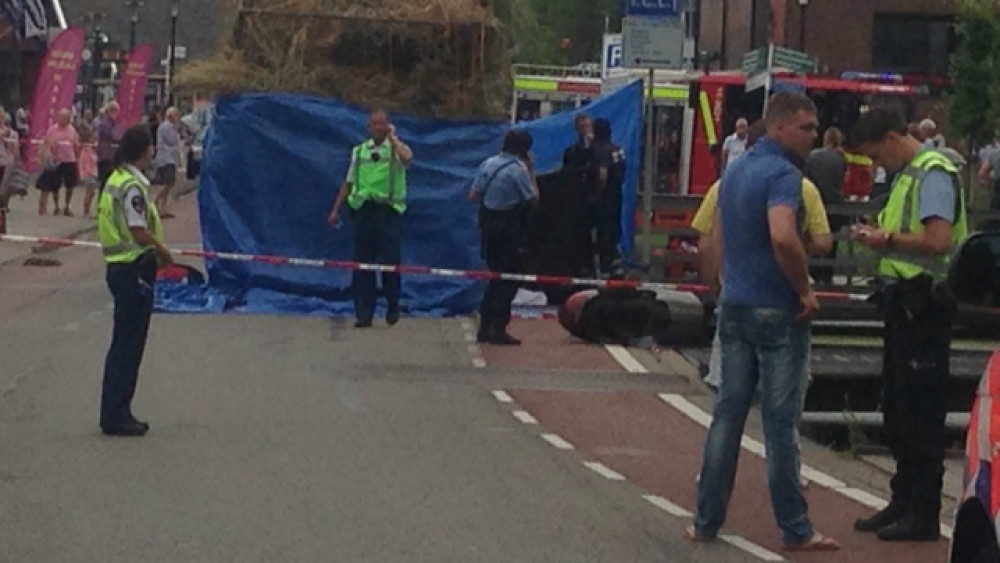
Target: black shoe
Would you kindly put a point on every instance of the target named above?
(885, 517)
(504, 339)
(130, 429)
(363, 324)
(912, 528)
(392, 316)
(484, 337)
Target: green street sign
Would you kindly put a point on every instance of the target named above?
(754, 60)
(795, 61)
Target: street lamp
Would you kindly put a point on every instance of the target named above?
(133, 20)
(803, 5)
(174, 13)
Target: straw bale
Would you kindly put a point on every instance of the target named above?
(442, 58)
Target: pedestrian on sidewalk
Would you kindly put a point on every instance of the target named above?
(924, 219)
(506, 190)
(131, 235)
(168, 158)
(107, 141)
(375, 191)
(88, 168)
(765, 304)
(62, 145)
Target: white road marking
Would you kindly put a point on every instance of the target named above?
(751, 548)
(478, 363)
(863, 497)
(557, 441)
(525, 417)
(604, 471)
(814, 475)
(71, 327)
(669, 507)
(626, 359)
(502, 396)
(469, 337)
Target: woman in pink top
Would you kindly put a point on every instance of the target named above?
(60, 148)
(88, 168)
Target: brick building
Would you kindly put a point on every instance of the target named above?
(901, 36)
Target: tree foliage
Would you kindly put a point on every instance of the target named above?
(974, 108)
(538, 28)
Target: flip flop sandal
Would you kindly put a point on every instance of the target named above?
(692, 535)
(817, 542)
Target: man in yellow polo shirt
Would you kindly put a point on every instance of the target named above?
(815, 227)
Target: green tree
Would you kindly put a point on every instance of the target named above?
(538, 28)
(973, 107)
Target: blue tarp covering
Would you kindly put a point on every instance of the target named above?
(273, 166)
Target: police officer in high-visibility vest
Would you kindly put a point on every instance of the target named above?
(375, 190)
(131, 235)
(923, 220)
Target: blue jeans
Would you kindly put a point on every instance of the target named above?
(770, 346)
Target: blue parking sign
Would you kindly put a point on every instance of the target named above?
(652, 8)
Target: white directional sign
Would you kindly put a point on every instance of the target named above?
(611, 61)
(653, 43)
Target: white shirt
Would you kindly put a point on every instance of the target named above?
(136, 206)
(733, 147)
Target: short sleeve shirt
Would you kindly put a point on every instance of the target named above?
(136, 205)
(63, 141)
(816, 220)
(733, 146)
(503, 181)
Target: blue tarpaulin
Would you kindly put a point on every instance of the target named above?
(272, 169)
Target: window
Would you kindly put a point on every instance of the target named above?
(912, 44)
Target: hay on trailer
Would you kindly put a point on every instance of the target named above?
(440, 58)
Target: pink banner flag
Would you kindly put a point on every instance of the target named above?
(55, 88)
(132, 90)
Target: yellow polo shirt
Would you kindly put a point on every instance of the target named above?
(816, 222)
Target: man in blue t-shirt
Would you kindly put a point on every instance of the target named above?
(764, 310)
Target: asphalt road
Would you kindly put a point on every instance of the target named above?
(289, 439)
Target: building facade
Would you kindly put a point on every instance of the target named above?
(897, 36)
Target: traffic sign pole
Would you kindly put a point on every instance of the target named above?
(650, 180)
(767, 83)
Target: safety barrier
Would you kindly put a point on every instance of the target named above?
(478, 275)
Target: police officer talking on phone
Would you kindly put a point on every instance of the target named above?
(924, 219)
(375, 191)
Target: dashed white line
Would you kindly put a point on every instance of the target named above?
(669, 507)
(626, 359)
(525, 417)
(751, 548)
(502, 396)
(557, 441)
(478, 363)
(604, 471)
(864, 497)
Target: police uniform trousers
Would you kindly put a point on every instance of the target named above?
(604, 217)
(131, 286)
(377, 240)
(502, 245)
(918, 321)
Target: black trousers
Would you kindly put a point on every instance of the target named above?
(502, 236)
(131, 287)
(604, 217)
(377, 240)
(915, 373)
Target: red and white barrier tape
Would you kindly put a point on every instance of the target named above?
(479, 275)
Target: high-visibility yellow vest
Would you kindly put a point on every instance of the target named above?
(117, 241)
(379, 178)
(902, 215)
